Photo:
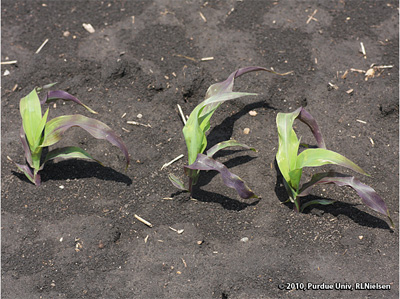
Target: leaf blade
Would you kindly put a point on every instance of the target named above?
(224, 144)
(31, 113)
(56, 127)
(176, 182)
(306, 118)
(227, 85)
(25, 146)
(199, 120)
(69, 152)
(34, 178)
(54, 95)
(288, 143)
(316, 202)
(314, 157)
(368, 195)
(230, 180)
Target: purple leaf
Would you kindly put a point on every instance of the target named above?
(56, 127)
(367, 194)
(52, 96)
(25, 146)
(307, 118)
(34, 178)
(231, 180)
(227, 85)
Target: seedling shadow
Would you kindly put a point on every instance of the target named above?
(336, 209)
(78, 169)
(224, 130)
(226, 202)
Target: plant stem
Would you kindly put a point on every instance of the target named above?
(190, 186)
(296, 205)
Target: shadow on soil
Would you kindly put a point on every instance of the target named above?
(336, 209)
(224, 130)
(77, 169)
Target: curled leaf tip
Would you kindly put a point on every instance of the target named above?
(63, 95)
(392, 225)
(176, 182)
(254, 196)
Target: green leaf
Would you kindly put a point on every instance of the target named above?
(225, 144)
(198, 123)
(288, 143)
(55, 129)
(69, 152)
(295, 177)
(41, 125)
(47, 86)
(318, 156)
(31, 114)
(195, 137)
(316, 202)
(290, 191)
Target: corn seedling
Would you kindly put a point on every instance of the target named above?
(291, 165)
(195, 130)
(37, 133)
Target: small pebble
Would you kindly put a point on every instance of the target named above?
(139, 115)
(245, 239)
(199, 242)
(66, 33)
(61, 187)
(246, 131)
(88, 27)
(361, 237)
(253, 113)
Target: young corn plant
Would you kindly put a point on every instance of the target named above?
(37, 133)
(195, 130)
(291, 165)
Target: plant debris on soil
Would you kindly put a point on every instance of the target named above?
(102, 232)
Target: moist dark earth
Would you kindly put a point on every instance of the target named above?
(76, 235)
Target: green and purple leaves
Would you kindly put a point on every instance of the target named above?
(195, 134)
(291, 165)
(37, 133)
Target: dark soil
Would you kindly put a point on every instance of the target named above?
(76, 236)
